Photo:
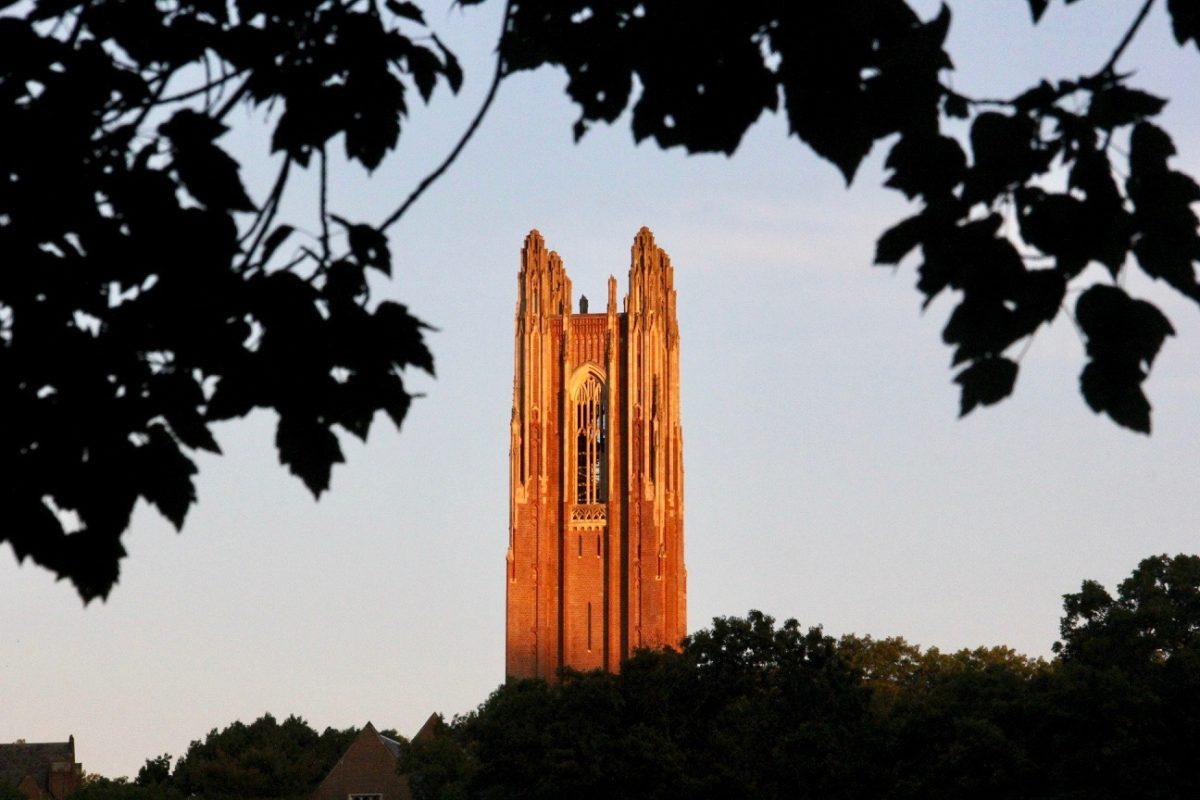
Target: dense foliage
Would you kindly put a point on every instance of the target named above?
(995, 226)
(265, 760)
(754, 709)
(751, 708)
(146, 295)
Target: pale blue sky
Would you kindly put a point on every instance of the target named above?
(827, 475)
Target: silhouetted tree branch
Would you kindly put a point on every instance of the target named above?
(139, 316)
(1127, 39)
(141, 311)
(497, 76)
(199, 90)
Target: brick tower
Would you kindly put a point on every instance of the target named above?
(595, 549)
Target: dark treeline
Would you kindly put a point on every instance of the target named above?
(754, 709)
(265, 759)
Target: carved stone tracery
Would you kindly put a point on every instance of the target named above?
(591, 441)
(590, 512)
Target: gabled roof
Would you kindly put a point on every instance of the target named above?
(369, 765)
(431, 728)
(391, 744)
(21, 759)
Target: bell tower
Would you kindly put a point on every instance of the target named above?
(594, 568)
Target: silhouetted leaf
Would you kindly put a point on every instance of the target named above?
(356, 402)
(367, 244)
(344, 280)
(372, 125)
(901, 239)
(929, 166)
(272, 242)
(1149, 148)
(401, 334)
(1110, 226)
(1123, 338)
(1114, 388)
(1185, 20)
(1038, 297)
(192, 429)
(402, 8)
(1038, 7)
(986, 382)
(1119, 326)
(397, 401)
(1059, 225)
(164, 475)
(451, 67)
(308, 449)
(235, 394)
(1038, 98)
(1119, 105)
(89, 558)
(1006, 152)
(182, 398)
(425, 68)
(207, 171)
(1169, 244)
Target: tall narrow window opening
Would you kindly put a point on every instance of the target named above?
(654, 432)
(591, 442)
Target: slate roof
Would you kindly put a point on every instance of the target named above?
(33, 758)
(391, 744)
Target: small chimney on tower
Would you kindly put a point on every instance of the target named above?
(583, 304)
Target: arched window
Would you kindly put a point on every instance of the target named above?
(591, 442)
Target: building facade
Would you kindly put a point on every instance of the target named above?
(370, 767)
(594, 567)
(368, 770)
(41, 770)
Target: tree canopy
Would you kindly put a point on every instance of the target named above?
(263, 760)
(751, 708)
(148, 296)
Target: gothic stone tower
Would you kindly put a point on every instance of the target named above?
(595, 550)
